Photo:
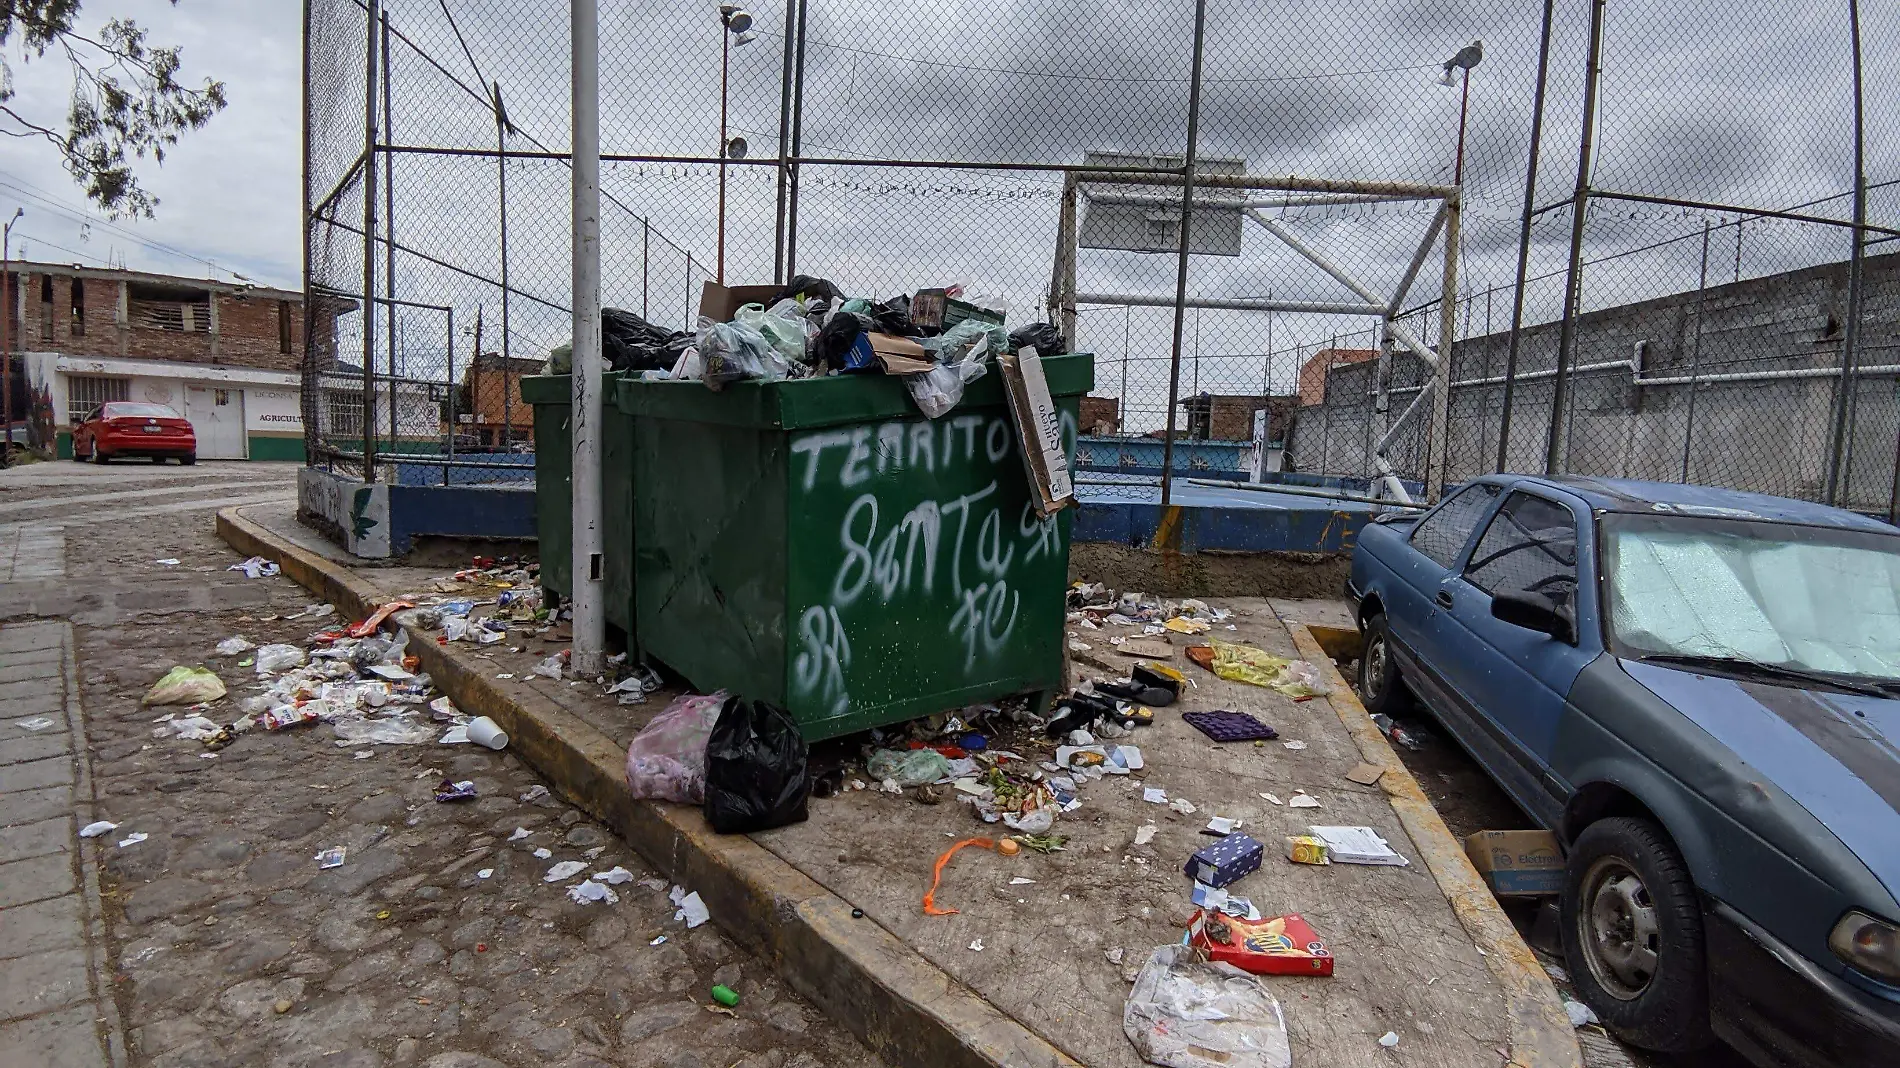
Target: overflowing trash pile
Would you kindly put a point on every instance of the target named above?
(937, 340)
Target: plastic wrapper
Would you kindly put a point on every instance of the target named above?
(756, 772)
(234, 646)
(186, 686)
(962, 353)
(735, 352)
(1186, 1013)
(667, 759)
(916, 767)
(783, 326)
(387, 730)
(274, 658)
(1244, 663)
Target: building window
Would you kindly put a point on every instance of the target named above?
(84, 393)
(46, 307)
(77, 325)
(344, 412)
(174, 308)
(283, 327)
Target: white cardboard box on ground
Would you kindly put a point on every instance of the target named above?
(1357, 845)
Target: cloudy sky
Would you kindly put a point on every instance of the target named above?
(1735, 101)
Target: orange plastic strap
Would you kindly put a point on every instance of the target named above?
(936, 875)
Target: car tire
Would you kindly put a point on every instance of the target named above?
(1380, 687)
(1632, 935)
(188, 459)
(98, 455)
(158, 459)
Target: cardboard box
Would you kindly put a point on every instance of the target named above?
(1038, 431)
(1518, 863)
(1277, 945)
(899, 355)
(1226, 860)
(720, 303)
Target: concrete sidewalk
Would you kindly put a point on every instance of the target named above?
(1422, 951)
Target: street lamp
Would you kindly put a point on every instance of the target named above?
(1466, 58)
(736, 26)
(8, 298)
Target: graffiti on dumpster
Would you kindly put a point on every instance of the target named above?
(948, 556)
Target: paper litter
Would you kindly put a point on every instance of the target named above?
(588, 890)
(133, 839)
(94, 830)
(564, 871)
(691, 908)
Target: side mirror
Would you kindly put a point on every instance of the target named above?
(1534, 612)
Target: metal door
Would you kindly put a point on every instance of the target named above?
(217, 418)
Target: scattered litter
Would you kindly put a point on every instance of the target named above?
(1307, 849)
(1224, 726)
(255, 567)
(1389, 1039)
(1581, 1015)
(487, 733)
(976, 944)
(614, 876)
(652, 882)
(660, 941)
(1225, 861)
(133, 839)
(1182, 805)
(690, 908)
(1114, 955)
(1551, 970)
(367, 627)
(94, 830)
(505, 675)
(1145, 834)
(543, 854)
(1221, 825)
(590, 854)
(564, 871)
(365, 754)
(587, 890)
(1154, 795)
(936, 874)
(1357, 845)
(456, 735)
(725, 995)
(1186, 1013)
(455, 791)
(550, 668)
(520, 833)
(535, 793)
(1365, 774)
(484, 873)
(272, 659)
(1076, 645)
(331, 858)
(1295, 746)
(1146, 648)
(1020, 881)
(234, 646)
(179, 686)
(169, 561)
(37, 723)
(1184, 625)
(391, 672)
(1302, 799)
(916, 767)
(1272, 799)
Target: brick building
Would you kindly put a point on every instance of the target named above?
(226, 356)
(1313, 371)
(1226, 417)
(1101, 415)
(493, 412)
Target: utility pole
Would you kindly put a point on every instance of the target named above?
(9, 299)
(1181, 256)
(1557, 441)
(590, 631)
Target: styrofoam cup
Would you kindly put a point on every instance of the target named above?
(485, 731)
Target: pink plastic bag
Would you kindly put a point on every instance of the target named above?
(667, 759)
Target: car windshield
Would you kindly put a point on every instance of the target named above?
(130, 410)
(1820, 599)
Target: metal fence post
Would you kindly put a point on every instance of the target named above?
(369, 247)
(1181, 259)
(1840, 461)
(590, 634)
(1524, 238)
(501, 181)
(1557, 440)
(1439, 443)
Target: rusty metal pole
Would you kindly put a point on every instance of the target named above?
(369, 246)
(1181, 256)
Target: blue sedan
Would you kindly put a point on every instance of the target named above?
(1698, 691)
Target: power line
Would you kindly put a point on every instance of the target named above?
(33, 192)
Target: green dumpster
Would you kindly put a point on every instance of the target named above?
(552, 399)
(819, 544)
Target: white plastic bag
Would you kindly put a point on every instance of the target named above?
(783, 326)
(386, 730)
(667, 760)
(1187, 1013)
(185, 686)
(234, 646)
(274, 658)
(962, 352)
(733, 352)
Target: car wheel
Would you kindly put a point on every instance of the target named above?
(188, 459)
(158, 459)
(99, 456)
(1632, 934)
(1380, 687)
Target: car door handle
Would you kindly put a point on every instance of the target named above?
(1443, 598)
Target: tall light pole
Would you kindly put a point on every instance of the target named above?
(10, 297)
(736, 29)
(1466, 58)
(589, 656)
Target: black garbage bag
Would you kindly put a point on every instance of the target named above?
(833, 344)
(893, 317)
(630, 343)
(756, 771)
(1046, 339)
(809, 288)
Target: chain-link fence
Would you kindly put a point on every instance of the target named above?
(1033, 153)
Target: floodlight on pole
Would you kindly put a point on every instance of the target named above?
(735, 29)
(1466, 58)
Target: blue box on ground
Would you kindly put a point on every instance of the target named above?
(1226, 860)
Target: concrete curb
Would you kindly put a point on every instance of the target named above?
(907, 1010)
(1541, 1033)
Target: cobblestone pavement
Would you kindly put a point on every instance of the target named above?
(216, 940)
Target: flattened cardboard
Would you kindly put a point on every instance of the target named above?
(1150, 650)
(899, 355)
(1038, 430)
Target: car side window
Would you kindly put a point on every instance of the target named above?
(1442, 534)
(1530, 547)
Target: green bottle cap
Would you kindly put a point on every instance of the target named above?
(725, 995)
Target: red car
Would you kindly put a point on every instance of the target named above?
(130, 428)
